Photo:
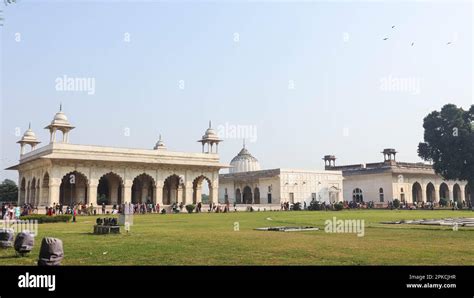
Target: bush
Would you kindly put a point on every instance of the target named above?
(338, 206)
(102, 199)
(43, 218)
(459, 203)
(396, 203)
(443, 202)
(314, 206)
(297, 206)
(190, 208)
(163, 211)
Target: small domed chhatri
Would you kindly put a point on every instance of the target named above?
(210, 138)
(29, 135)
(244, 162)
(60, 117)
(29, 138)
(160, 145)
(61, 123)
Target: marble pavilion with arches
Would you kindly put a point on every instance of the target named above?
(65, 173)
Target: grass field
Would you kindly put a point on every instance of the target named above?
(210, 239)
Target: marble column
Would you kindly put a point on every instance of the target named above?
(159, 193)
(53, 194)
(213, 195)
(127, 192)
(92, 192)
(436, 194)
(463, 193)
(189, 193)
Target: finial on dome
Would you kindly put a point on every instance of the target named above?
(210, 124)
(29, 138)
(60, 123)
(244, 161)
(160, 145)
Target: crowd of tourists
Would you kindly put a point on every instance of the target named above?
(216, 208)
(11, 212)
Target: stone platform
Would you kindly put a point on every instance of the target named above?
(101, 229)
(460, 222)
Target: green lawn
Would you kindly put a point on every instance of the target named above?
(210, 239)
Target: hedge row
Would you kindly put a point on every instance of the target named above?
(42, 218)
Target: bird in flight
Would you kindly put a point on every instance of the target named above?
(448, 43)
(393, 26)
(385, 38)
(412, 43)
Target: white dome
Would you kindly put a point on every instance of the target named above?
(210, 135)
(60, 116)
(160, 145)
(29, 134)
(60, 119)
(60, 122)
(29, 137)
(210, 132)
(244, 162)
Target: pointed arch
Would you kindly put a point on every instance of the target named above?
(417, 193)
(456, 193)
(110, 189)
(45, 189)
(173, 189)
(247, 196)
(256, 195)
(444, 191)
(238, 196)
(73, 189)
(143, 189)
(197, 188)
(430, 193)
(22, 191)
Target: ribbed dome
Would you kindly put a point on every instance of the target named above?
(29, 137)
(60, 122)
(60, 118)
(244, 162)
(210, 134)
(160, 145)
(29, 134)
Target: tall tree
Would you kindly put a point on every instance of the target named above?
(8, 191)
(1, 11)
(449, 143)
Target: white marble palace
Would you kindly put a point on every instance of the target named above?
(247, 184)
(382, 182)
(66, 173)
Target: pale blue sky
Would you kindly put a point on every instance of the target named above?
(333, 52)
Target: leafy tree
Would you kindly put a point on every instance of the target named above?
(396, 203)
(102, 199)
(449, 143)
(190, 208)
(8, 191)
(1, 11)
